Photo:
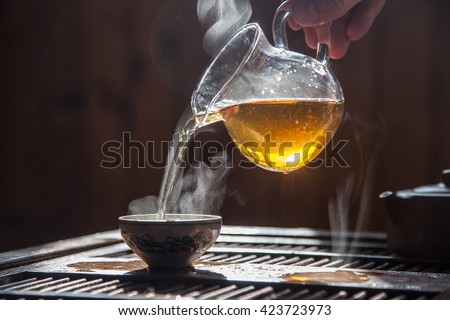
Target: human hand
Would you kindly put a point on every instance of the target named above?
(351, 20)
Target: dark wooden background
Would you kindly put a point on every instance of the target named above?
(75, 74)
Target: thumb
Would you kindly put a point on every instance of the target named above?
(315, 12)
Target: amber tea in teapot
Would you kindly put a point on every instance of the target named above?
(282, 135)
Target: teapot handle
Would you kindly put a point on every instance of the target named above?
(280, 36)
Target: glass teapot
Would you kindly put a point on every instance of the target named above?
(280, 107)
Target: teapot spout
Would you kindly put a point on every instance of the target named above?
(389, 201)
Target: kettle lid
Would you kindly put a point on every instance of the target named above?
(441, 189)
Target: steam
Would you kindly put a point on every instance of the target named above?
(204, 188)
(220, 19)
(201, 189)
(369, 176)
(339, 211)
(145, 205)
(339, 207)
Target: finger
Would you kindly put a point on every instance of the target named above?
(314, 12)
(339, 39)
(294, 25)
(363, 17)
(311, 37)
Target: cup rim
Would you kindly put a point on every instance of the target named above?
(147, 219)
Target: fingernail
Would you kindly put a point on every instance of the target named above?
(305, 12)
